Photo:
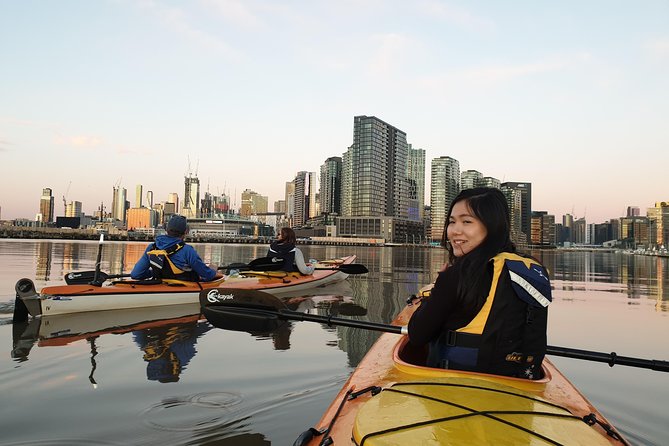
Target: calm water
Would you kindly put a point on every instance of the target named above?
(182, 382)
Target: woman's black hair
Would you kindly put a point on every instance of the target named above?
(489, 205)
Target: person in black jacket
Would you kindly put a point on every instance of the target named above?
(487, 311)
(284, 247)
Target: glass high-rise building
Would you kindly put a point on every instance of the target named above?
(304, 198)
(330, 191)
(46, 205)
(444, 187)
(469, 179)
(525, 190)
(374, 170)
(118, 203)
(191, 204)
(416, 174)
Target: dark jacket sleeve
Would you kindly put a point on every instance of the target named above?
(429, 319)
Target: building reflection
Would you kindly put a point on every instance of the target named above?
(44, 255)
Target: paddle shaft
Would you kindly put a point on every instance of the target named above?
(609, 358)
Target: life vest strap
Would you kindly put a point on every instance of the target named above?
(459, 339)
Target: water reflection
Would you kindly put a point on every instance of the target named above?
(641, 276)
(169, 348)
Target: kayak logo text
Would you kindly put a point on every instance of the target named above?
(214, 296)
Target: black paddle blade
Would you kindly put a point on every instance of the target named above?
(241, 310)
(83, 277)
(266, 264)
(350, 268)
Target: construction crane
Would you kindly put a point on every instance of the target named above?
(65, 199)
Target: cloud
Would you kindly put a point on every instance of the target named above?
(4, 145)
(457, 16)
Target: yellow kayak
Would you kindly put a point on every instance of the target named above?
(388, 400)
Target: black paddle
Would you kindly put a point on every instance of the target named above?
(228, 308)
(259, 264)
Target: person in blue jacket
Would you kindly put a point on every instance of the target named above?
(169, 257)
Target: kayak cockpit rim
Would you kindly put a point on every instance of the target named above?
(408, 361)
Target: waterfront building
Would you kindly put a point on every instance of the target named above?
(303, 198)
(173, 198)
(444, 187)
(580, 234)
(374, 170)
(46, 205)
(290, 201)
(416, 174)
(376, 185)
(253, 203)
(542, 229)
(191, 204)
(312, 194)
(469, 179)
(633, 211)
(490, 182)
(149, 199)
(73, 209)
(118, 204)
(658, 219)
(142, 218)
(634, 232)
(567, 224)
(525, 190)
(138, 196)
(280, 207)
(330, 190)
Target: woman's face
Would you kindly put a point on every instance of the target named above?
(465, 231)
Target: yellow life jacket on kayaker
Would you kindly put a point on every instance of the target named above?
(163, 267)
(508, 334)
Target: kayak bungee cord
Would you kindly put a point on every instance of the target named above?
(589, 419)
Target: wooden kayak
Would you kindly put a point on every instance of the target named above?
(123, 294)
(389, 400)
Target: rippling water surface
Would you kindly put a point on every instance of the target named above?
(173, 379)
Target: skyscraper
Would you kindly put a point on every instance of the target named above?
(330, 195)
(191, 206)
(374, 170)
(138, 196)
(253, 203)
(525, 190)
(118, 203)
(46, 205)
(444, 187)
(149, 199)
(173, 198)
(470, 179)
(416, 174)
(303, 197)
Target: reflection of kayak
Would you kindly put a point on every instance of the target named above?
(64, 329)
(66, 299)
(415, 405)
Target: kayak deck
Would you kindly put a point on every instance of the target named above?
(415, 405)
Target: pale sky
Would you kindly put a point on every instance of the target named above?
(572, 96)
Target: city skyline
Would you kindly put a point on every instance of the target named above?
(570, 97)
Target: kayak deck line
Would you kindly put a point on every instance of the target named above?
(473, 412)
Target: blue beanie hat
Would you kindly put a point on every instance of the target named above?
(177, 224)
